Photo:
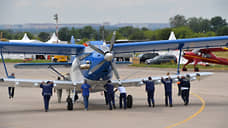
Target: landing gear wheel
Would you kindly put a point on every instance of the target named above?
(196, 69)
(129, 101)
(184, 69)
(69, 103)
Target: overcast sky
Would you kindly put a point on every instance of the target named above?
(113, 11)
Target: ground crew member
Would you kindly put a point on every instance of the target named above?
(46, 93)
(150, 90)
(185, 88)
(110, 94)
(59, 92)
(11, 89)
(105, 96)
(85, 93)
(123, 96)
(168, 90)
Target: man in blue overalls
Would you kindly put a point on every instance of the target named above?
(46, 93)
(11, 89)
(110, 94)
(85, 93)
(168, 90)
(150, 90)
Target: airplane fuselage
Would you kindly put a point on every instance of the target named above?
(210, 58)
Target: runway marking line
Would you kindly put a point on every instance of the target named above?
(192, 116)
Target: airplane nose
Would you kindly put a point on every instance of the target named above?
(108, 57)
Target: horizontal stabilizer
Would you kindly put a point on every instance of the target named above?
(41, 65)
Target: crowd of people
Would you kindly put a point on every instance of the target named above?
(109, 92)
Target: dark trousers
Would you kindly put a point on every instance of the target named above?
(179, 89)
(111, 100)
(124, 98)
(106, 97)
(46, 101)
(11, 91)
(185, 96)
(168, 95)
(150, 97)
(86, 101)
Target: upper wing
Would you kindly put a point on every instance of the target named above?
(207, 42)
(41, 48)
(42, 65)
(157, 80)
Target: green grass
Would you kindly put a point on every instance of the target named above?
(22, 61)
(221, 54)
(170, 65)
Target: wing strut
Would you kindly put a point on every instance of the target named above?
(179, 59)
(57, 72)
(3, 61)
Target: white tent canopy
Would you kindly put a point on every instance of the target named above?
(54, 40)
(172, 36)
(25, 39)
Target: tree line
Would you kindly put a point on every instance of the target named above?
(182, 27)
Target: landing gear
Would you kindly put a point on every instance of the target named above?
(196, 69)
(69, 103)
(129, 101)
(59, 95)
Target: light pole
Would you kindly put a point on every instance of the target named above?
(56, 31)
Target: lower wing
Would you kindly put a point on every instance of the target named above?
(96, 85)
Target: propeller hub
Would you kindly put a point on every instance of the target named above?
(108, 57)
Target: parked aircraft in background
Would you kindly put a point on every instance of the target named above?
(204, 55)
(95, 62)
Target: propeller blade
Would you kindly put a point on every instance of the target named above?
(115, 71)
(96, 49)
(112, 40)
(97, 67)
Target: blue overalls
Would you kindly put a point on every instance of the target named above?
(110, 95)
(46, 93)
(85, 93)
(168, 91)
(150, 91)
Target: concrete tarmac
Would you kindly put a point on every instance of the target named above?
(26, 110)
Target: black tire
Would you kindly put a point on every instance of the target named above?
(69, 103)
(129, 101)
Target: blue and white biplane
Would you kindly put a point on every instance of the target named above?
(95, 63)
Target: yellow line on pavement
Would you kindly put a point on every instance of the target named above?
(192, 116)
